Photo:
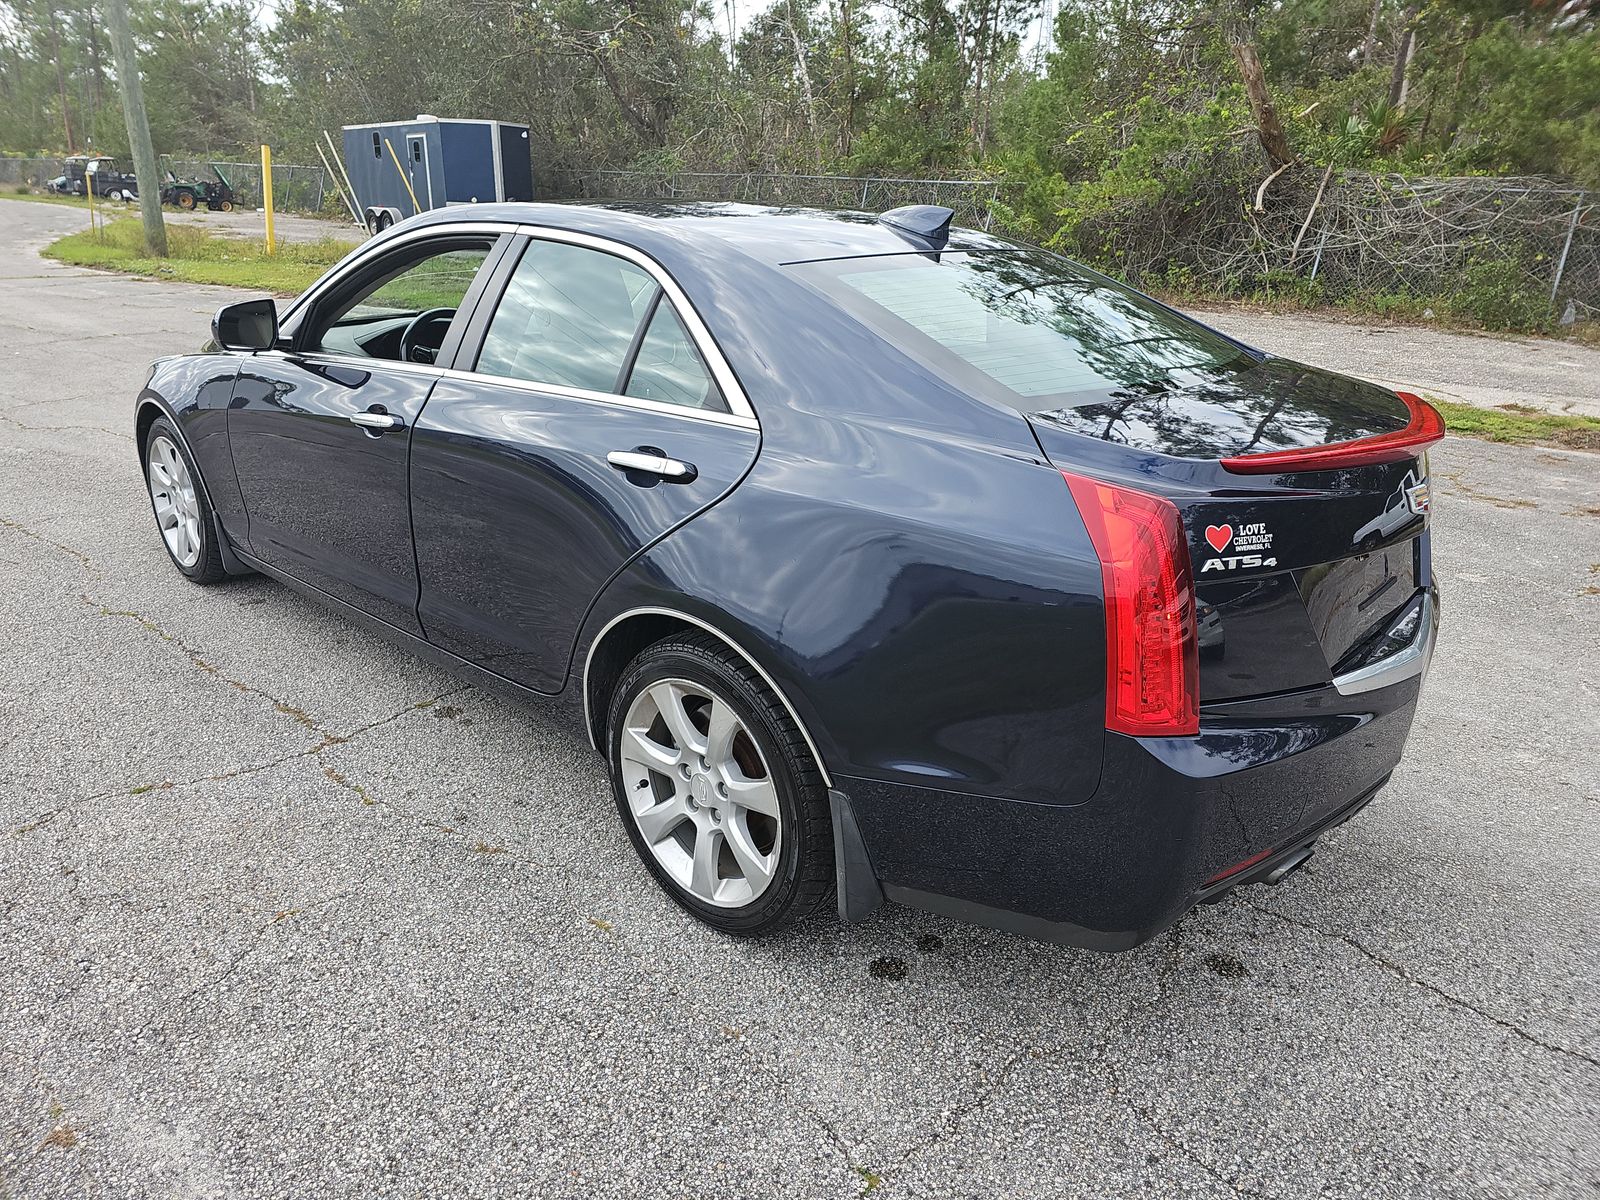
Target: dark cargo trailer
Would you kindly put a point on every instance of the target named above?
(443, 161)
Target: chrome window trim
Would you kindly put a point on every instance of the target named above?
(741, 413)
(570, 393)
(588, 715)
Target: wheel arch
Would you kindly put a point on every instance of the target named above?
(150, 408)
(148, 412)
(625, 635)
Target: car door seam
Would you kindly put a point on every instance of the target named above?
(411, 516)
(583, 622)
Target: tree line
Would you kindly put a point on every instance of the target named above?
(1096, 113)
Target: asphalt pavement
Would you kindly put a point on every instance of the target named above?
(287, 913)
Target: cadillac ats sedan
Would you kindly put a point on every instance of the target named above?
(879, 559)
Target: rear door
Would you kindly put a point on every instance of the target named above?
(596, 415)
(320, 429)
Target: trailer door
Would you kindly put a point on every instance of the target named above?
(419, 169)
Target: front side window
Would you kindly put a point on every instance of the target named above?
(404, 312)
(568, 318)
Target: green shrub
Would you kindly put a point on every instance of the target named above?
(1498, 293)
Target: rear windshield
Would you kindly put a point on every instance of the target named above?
(1025, 327)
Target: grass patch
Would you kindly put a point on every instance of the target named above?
(196, 256)
(1519, 425)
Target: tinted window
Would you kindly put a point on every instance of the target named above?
(1021, 325)
(568, 317)
(669, 367)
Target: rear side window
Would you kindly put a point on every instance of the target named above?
(669, 368)
(568, 318)
(1021, 326)
(581, 318)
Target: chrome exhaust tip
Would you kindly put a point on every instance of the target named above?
(1293, 863)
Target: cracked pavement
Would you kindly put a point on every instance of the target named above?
(285, 912)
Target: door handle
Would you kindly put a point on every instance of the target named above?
(652, 464)
(378, 422)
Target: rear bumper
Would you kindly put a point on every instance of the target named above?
(1175, 822)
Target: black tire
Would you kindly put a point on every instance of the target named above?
(207, 568)
(804, 878)
(384, 221)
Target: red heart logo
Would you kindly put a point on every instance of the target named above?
(1219, 536)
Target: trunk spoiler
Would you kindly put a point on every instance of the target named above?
(1425, 427)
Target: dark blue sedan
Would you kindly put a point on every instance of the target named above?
(878, 558)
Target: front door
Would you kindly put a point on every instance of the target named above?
(590, 425)
(320, 429)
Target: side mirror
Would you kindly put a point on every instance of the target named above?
(248, 325)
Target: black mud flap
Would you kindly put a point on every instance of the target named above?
(230, 560)
(860, 894)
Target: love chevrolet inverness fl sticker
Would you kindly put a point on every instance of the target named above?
(1243, 547)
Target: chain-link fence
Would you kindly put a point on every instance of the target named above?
(1376, 234)
(1507, 251)
(972, 199)
(33, 173)
(1355, 233)
(294, 188)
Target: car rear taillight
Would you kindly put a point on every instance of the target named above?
(1152, 648)
(1425, 427)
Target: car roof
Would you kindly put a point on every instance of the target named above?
(769, 234)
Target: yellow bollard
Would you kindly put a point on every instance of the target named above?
(88, 190)
(266, 195)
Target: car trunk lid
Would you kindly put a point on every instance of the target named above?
(1303, 558)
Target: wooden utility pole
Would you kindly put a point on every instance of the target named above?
(144, 154)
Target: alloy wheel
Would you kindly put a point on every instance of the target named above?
(177, 507)
(701, 793)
